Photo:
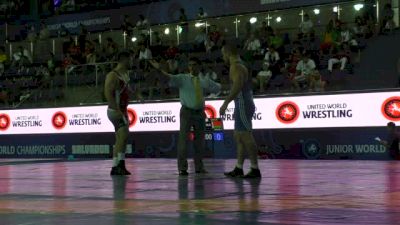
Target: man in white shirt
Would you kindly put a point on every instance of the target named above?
(22, 56)
(253, 44)
(144, 56)
(304, 70)
(192, 87)
(306, 26)
(272, 60)
(264, 76)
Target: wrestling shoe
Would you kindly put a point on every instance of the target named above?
(117, 171)
(183, 173)
(121, 165)
(235, 173)
(202, 171)
(253, 174)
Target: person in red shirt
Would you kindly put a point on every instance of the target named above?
(117, 92)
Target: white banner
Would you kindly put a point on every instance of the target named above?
(317, 111)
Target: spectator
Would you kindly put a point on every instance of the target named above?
(252, 48)
(44, 31)
(63, 32)
(263, 33)
(111, 49)
(307, 26)
(316, 82)
(172, 66)
(184, 25)
(90, 52)
(213, 39)
(200, 40)
(143, 25)
(144, 56)
(331, 36)
(171, 52)
(387, 19)
(68, 63)
(272, 60)
(32, 35)
(3, 59)
(22, 57)
(127, 26)
(341, 56)
(345, 34)
(51, 62)
(82, 37)
(263, 77)
(209, 72)
(359, 29)
(304, 70)
(68, 6)
(201, 14)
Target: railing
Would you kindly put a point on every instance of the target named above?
(238, 26)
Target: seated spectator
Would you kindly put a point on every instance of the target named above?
(304, 70)
(331, 36)
(44, 31)
(293, 59)
(63, 31)
(263, 77)
(272, 60)
(32, 34)
(68, 6)
(359, 29)
(51, 62)
(171, 52)
(144, 56)
(111, 49)
(200, 40)
(201, 14)
(127, 26)
(215, 36)
(387, 24)
(22, 57)
(341, 56)
(307, 26)
(90, 52)
(316, 82)
(209, 72)
(252, 48)
(3, 59)
(263, 33)
(172, 66)
(143, 25)
(68, 62)
(345, 34)
(275, 40)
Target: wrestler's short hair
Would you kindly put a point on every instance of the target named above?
(230, 49)
(123, 55)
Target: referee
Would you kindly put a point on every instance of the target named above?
(192, 87)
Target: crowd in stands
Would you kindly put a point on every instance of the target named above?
(306, 61)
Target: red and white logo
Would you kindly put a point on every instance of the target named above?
(132, 117)
(59, 120)
(4, 122)
(391, 109)
(287, 112)
(210, 112)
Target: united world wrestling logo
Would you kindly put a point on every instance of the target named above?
(391, 109)
(132, 117)
(311, 149)
(287, 112)
(59, 120)
(4, 122)
(210, 112)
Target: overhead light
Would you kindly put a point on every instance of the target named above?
(358, 7)
(200, 24)
(278, 19)
(134, 39)
(166, 31)
(317, 11)
(253, 20)
(335, 9)
(236, 21)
